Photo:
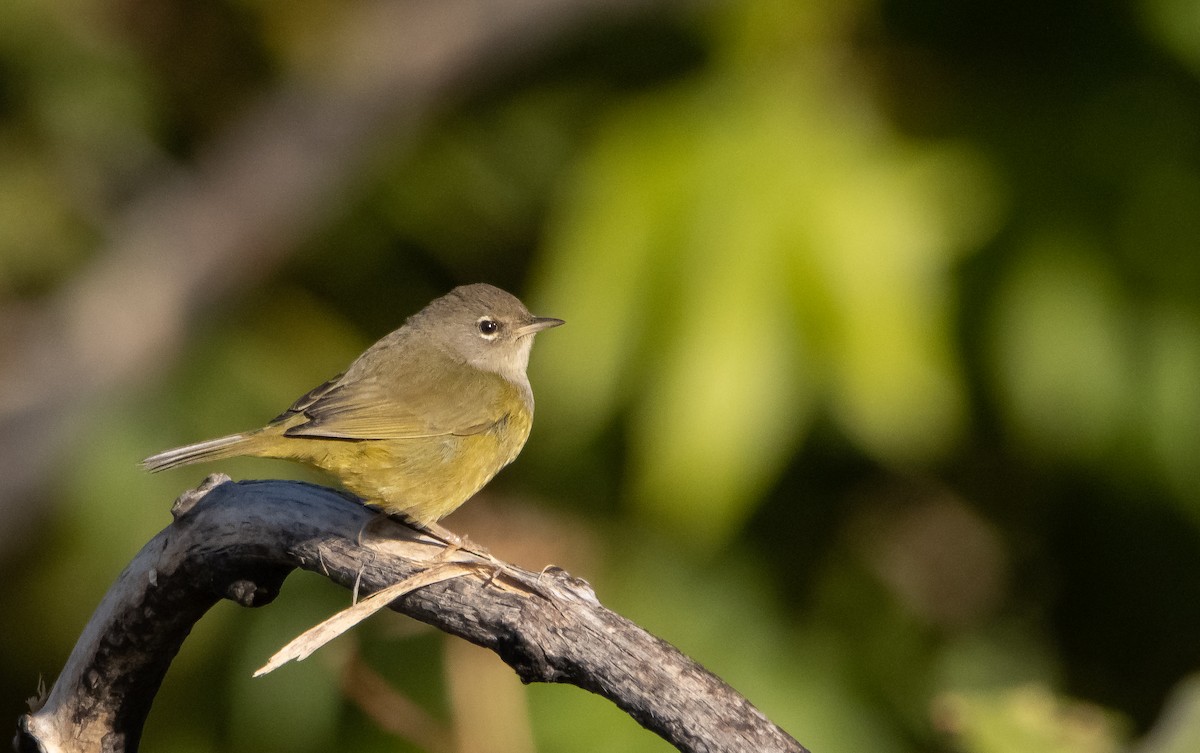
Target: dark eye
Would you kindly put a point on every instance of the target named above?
(488, 326)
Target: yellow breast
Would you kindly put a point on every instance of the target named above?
(424, 478)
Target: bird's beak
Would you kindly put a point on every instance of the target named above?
(538, 324)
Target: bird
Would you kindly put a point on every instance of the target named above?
(421, 420)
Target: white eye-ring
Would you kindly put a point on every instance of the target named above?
(488, 327)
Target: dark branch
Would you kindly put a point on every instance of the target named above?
(240, 540)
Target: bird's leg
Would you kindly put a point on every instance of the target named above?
(452, 540)
(373, 523)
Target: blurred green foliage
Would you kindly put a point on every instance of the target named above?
(879, 394)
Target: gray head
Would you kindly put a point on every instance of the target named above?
(484, 326)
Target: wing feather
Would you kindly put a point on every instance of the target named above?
(401, 403)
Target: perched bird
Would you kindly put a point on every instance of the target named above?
(421, 420)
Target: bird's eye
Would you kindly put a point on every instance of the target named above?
(488, 327)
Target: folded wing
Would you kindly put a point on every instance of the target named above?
(405, 406)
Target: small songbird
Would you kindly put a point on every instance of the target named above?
(421, 420)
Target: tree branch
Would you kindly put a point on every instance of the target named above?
(240, 540)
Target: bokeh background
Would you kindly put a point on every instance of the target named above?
(879, 393)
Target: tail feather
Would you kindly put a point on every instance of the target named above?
(213, 449)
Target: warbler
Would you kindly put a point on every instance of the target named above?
(419, 422)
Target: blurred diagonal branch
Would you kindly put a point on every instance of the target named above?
(241, 540)
(226, 221)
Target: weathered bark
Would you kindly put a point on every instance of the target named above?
(240, 540)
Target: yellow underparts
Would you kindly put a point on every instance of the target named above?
(423, 478)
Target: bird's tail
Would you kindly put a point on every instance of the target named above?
(213, 449)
